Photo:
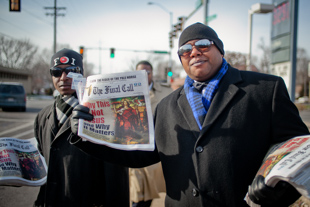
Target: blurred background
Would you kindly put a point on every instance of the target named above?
(114, 35)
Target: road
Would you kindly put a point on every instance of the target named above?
(20, 125)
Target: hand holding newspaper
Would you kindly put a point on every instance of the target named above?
(288, 161)
(121, 108)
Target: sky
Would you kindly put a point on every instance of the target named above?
(131, 26)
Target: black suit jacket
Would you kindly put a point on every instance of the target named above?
(75, 178)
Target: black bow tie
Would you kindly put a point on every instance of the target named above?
(199, 85)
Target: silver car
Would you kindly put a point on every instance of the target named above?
(12, 96)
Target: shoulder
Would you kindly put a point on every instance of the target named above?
(45, 111)
(249, 77)
(252, 74)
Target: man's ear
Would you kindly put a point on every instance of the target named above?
(180, 60)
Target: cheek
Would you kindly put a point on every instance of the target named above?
(55, 81)
(185, 65)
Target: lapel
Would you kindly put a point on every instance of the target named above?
(64, 127)
(226, 92)
(55, 131)
(188, 113)
(51, 117)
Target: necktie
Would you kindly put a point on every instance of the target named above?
(199, 85)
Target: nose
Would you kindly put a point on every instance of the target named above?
(63, 76)
(195, 52)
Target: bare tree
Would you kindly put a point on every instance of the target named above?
(265, 60)
(17, 54)
(302, 70)
(41, 78)
(236, 59)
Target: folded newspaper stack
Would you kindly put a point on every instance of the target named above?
(288, 161)
(21, 164)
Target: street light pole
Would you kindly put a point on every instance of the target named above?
(258, 8)
(171, 29)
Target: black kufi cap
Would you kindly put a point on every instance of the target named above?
(67, 57)
(201, 31)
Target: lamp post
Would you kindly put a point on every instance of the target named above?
(171, 29)
(258, 8)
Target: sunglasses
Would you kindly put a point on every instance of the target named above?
(57, 72)
(203, 45)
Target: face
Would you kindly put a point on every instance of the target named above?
(149, 71)
(63, 83)
(201, 66)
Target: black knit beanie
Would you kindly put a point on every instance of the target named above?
(67, 57)
(200, 31)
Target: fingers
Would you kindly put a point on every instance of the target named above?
(264, 195)
(260, 193)
(81, 112)
(81, 108)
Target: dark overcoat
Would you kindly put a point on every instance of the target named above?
(75, 178)
(214, 167)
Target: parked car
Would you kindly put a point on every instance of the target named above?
(12, 96)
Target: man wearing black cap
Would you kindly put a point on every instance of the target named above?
(74, 178)
(213, 133)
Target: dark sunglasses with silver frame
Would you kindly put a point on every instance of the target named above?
(57, 72)
(202, 45)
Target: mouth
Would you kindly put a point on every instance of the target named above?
(197, 62)
(65, 85)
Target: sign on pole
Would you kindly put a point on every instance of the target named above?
(284, 41)
(210, 18)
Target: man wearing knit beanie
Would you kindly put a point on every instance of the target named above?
(201, 31)
(67, 57)
(213, 133)
(74, 178)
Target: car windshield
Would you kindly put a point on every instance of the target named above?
(11, 89)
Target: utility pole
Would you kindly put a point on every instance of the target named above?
(206, 12)
(293, 52)
(55, 14)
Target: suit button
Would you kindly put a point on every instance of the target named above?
(195, 192)
(199, 149)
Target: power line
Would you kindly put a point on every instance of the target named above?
(11, 24)
(37, 17)
(55, 14)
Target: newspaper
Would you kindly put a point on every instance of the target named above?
(288, 161)
(21, 164)
(122, 112)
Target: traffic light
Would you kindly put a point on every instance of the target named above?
(112, 52)
(170, 73)
(81, 50)
(15, 5)
(172, 34)
(171, 43)
(180, 24)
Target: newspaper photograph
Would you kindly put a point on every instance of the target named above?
(21, 164)
(122, 112)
